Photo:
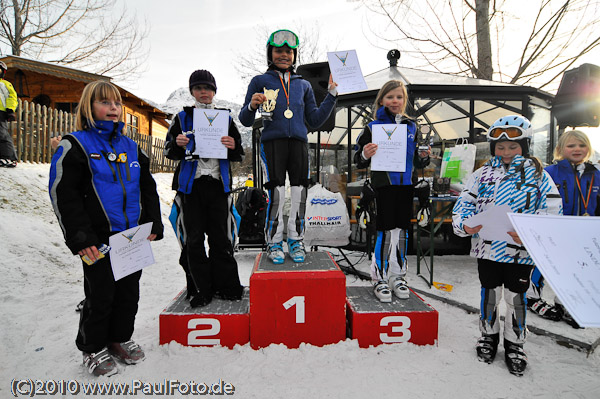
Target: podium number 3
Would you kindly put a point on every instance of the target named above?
(403, 328)
(297, 301)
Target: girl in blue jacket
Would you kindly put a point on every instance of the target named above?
(100, 184)
(578, 182)
(394, 201)
(284, 141)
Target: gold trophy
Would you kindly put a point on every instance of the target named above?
(266, 108)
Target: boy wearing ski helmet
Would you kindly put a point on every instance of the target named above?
(511, 177)
(8, 105)
(284, 141)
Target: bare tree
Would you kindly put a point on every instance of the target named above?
(254, 61)
(86, 34)
(523, 42)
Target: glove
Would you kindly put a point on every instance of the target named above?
(363, 219)
(423, 217)
(10, 115)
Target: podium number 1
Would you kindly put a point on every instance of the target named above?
(297, 301)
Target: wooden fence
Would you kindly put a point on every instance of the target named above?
(36, 125)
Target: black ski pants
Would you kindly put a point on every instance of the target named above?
(206, 212)
(110, 306)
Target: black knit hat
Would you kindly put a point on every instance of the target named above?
(203, 77)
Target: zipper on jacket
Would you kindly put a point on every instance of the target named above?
(124, 190)
(565, 191)
(110, 165)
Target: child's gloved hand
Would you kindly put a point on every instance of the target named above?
(10, 115)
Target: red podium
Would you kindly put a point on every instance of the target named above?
(220, 323)
(403, 320)
(292, 303)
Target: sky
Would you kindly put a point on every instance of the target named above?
(212, 34)
(202, 34)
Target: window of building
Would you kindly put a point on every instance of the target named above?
(132, 123)
(66, 107)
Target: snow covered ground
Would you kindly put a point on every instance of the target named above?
(41, 282)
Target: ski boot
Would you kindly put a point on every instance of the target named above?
(486, 347)
(544, 309)
(275, 253)
(296, 250)
(399, 287)
(566, 317)
(382, 291)
(516, 359)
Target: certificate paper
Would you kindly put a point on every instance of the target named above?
(209, 126)
(131, 251)
(346, 72)
(495, 223)
(391, 147)
(567, 251)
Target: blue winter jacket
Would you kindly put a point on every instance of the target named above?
(380, 178)
(563, 175)
(302, 104)
(183, 180)
(100, 183)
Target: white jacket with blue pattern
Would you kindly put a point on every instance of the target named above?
(517, 186)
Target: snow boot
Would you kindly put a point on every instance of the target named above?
(486, 347)
(296, 250)
(399, 287)
(127, 352)
(566, 317)
(544, 309)
(275, 253)
(199, 300)
(382, 291)
(516, 359)
(100, 363)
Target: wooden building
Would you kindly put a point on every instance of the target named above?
(60, 87)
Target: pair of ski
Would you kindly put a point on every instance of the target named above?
(515, 357)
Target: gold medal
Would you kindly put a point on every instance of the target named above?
(586, 214)
(288, 113)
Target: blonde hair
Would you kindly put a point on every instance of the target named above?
(99, 90)
(564, 139)
(385, 89)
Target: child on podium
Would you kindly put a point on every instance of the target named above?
(394, 200)
(287, 103)
(205, 184)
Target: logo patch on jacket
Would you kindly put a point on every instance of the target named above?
(93, 155)
(134, 164)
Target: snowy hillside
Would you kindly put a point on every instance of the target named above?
(41, 284)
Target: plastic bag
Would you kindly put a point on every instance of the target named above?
(327, 221)
(458, 163)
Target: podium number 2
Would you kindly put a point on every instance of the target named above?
(403, 328)
(213, 330)
(297, 301)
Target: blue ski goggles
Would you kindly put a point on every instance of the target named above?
(284, 37)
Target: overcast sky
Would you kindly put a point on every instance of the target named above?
(187, 35)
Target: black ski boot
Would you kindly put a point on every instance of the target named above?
(487, 346)
(567, 318)
(516, 359)
(544, 309)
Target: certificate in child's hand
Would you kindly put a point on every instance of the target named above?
(131, 250)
